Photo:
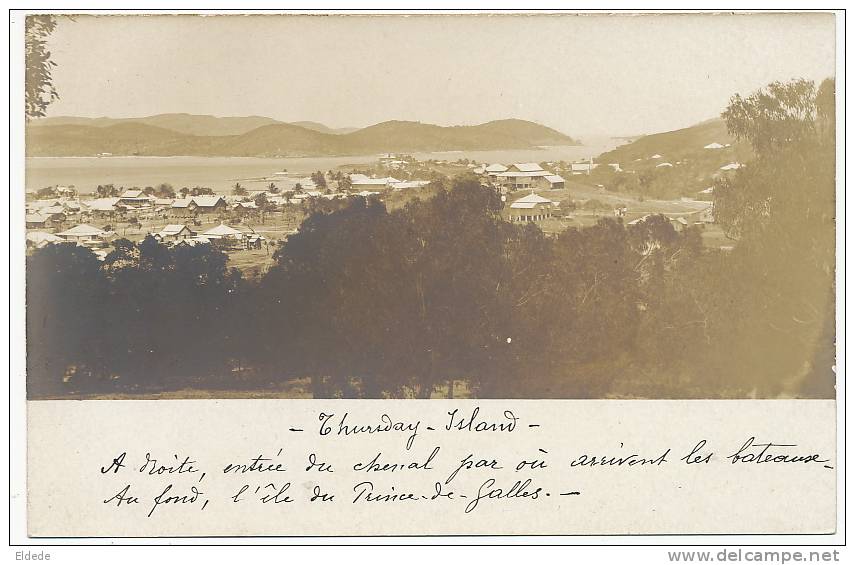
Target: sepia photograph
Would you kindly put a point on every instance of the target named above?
(549, 276)
(425, 206)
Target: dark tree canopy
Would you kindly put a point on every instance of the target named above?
(39, 90)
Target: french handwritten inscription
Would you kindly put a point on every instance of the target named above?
(348, 467)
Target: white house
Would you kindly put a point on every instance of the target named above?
(582, 168)
(86, 235)
(532, 208)
(174, 232)
(555, 181)
(39, 239)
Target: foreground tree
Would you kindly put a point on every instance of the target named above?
(39, 90)
(780, 208)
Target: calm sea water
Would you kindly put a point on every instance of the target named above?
(220, 173)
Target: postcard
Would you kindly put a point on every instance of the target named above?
(428, 275)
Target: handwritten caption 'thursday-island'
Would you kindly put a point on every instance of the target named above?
(347, 469)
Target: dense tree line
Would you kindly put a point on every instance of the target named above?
(369, 301)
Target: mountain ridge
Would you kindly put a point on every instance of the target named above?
(71, 136)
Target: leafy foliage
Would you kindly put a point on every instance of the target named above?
(39, 90)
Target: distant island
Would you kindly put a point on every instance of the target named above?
(169, 135)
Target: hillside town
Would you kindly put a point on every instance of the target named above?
(256, 219)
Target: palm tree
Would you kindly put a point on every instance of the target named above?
(273, 188)
(238, 190)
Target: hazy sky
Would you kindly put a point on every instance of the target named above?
(581, 74)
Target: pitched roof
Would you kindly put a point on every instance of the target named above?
(82, 230)
(554, 178)
(530, 201)
(527, 167)
(50, 210)
(731, 167)
(207, 201)
(714, 145)
(133, 193)
(35, 219)
(249, 204)
(222, 230)
(182, 202)
(534, 198)
(172, 229)
(101, 204)
(359, 180)
(496, 168)
(43, 238)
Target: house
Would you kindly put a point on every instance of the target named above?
(495, 168)
(38, 239)
(54, 214)
(223, 231)
(532, 208)
(254, 240)
(209, 204)
(249, 238)
(135, 198)
(163, 203)
(554, 181)
(188, 207)
(192, 242)
(244, 206)
(85, 235)
(582, 168)
(102, 207)
(360, 181)
(35, 221)
(37, 205)
(174, 232)
(525, 168)
(183, 207)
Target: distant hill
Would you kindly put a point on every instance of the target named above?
(672, 145)
(416, 136)
(189, 124)
(319, 127)
(177, 134)
(674, 163)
